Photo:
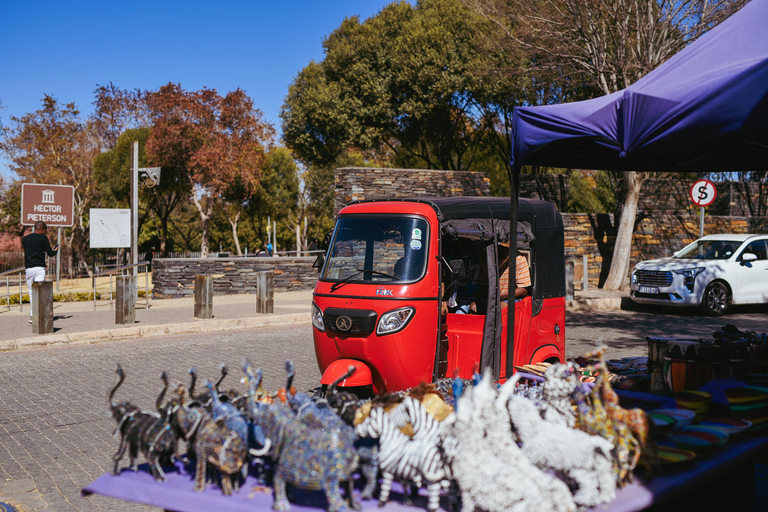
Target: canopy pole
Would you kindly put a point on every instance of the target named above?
(515, 186)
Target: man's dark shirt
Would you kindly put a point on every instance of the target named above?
(36, 246)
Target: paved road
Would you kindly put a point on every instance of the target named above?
(624, 331)
(55, 428)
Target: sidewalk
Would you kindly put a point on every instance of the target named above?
(76, 323)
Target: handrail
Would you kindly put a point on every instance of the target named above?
(120, 268)
(7, 272)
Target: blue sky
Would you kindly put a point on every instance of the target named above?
(67, 48)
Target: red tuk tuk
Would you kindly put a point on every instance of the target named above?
(392, 268)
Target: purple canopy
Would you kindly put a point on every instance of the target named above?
(705, 109)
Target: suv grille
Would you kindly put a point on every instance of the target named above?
(654, 278)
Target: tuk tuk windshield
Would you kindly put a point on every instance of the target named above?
(377, 249)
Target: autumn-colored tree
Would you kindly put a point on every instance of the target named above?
(117, 110)
(216, 142)
(606, 45)
(54, 145)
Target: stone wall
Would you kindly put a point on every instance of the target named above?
(357, 183)
(655, 236)
(175, 277)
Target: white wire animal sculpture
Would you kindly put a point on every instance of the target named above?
(583, 461)
(491, 471)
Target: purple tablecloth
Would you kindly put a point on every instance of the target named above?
(177, 494)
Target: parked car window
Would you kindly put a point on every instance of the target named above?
(757, 248)
(709, 250)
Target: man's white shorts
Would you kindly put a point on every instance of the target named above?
(34, 275)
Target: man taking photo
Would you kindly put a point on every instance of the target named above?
(36, 246)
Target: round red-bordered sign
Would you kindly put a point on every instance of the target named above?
(703, 193)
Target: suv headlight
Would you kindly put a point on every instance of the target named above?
(634, 276)
(317, 318)
(394, 321)
(690, 276)
(689, 272)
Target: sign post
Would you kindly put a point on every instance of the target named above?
(703, 193)
(52, 204)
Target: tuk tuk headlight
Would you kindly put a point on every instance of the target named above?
(317, 318)
(394, 321)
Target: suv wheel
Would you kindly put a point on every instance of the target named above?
(716, 299)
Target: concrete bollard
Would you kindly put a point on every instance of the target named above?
(125, 300)
(203, 296)
(265, 292)
(42, 307)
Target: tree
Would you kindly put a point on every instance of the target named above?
(397, 84)
(216, 142)
(608, 45)
(117, 110)
(54, 145)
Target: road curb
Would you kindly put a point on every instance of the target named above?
(595, 304)
(150, 331)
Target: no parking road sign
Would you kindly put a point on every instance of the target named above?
(703, 193)
(52, 204)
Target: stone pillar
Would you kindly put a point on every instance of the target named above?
(265, 292)
(203, 296)
(125, 300)
(42, 307)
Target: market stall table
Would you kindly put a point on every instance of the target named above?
(177, 494)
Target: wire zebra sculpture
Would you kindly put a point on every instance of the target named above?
(401, 457)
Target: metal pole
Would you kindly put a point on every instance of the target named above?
(298, 240)
(8, 292)
(146, 284)
(21, 301)
(135, 208)
(58, 259)
(274, 238)
(701, 222)
(584, 272)
(110, 290)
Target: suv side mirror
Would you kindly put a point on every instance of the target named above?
(748, 256)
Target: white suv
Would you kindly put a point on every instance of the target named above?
(713, 272)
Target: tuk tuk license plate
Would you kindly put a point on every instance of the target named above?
(648, 289)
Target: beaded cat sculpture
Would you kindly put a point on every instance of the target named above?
(141, 431)
(598, 413)
(491, 470)
(560, 382)
(305, 457)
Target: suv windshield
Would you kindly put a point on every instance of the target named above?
(378, 249)
(709, 250)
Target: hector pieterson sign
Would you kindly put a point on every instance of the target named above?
(52, 204)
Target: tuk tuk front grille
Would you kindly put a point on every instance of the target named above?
(363, 321)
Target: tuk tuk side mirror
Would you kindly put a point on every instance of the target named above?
(319, 262)
(458, 270)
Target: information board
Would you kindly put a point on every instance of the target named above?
(110, 228)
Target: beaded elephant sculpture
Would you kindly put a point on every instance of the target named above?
(491, 470)
(304, 456)
(142, 431)
(214, 443)
(316, 413)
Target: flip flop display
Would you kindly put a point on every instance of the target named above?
(699, 437)
(680, 417)
(670, 455)
(731, 425)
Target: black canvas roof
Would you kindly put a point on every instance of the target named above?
(474, 207)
